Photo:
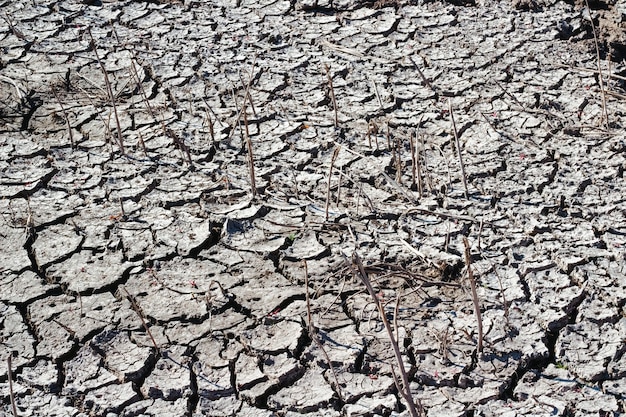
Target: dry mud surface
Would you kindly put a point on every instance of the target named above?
(146, 272)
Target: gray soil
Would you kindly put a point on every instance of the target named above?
(188, 188)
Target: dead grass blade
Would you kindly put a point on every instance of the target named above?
(250, 156)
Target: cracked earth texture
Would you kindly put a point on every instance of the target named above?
(185, 187)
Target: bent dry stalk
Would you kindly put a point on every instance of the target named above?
(415, 407)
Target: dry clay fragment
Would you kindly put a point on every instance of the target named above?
(15, 337)
(309, 393)
(22, 288)
(274, 338)
(88, 271)
(121, 356)
(305, 247)
(110, 398)
(14, 256)
(170, 379)
(86, 372)
(56, 242)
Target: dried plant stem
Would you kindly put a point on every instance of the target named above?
(458, 148)
(109, 92)
(245, 99)
(211, 128)
(380, 102)
(417, 164)
(309, 318)
(180, 144)
(312, 330)
(11, 393)
(142, 91)
(388, 135)
(143, 144)
(413, 164)
(472, 281)
(505, 303)
(425, 80)
(338, 199)
(104, 122)
(66, 117)
(330, 175)
(480, 233)
(332, 93)
(137, 309)
(250, 156)
(248, 95)
(168, 132)
(232, 91)
(415, 407)
(18, 92)
(600, 75)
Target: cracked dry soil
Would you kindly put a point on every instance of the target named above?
(148, 270)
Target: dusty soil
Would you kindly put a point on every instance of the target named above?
(189, 189)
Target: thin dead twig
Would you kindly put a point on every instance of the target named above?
(245, 99)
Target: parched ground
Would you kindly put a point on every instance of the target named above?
(195, 194)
